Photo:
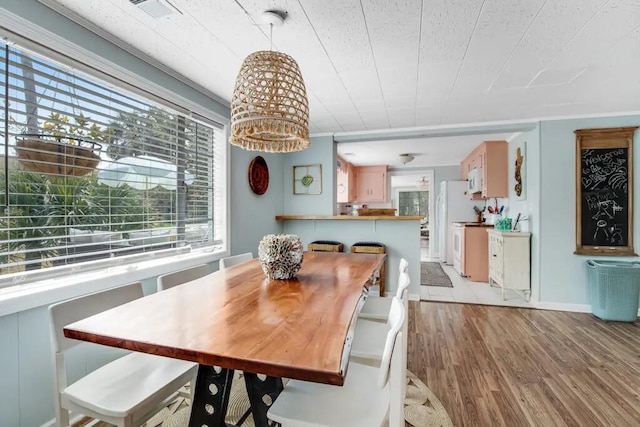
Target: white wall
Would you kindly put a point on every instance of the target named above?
(563, 274)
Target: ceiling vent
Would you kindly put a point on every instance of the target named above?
(156, 8)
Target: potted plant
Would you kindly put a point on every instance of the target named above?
(65, 148)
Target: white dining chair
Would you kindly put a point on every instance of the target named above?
(370, 335)
(125, 392)
(370, 396)
(179, 277)
(234, 259)
(377, 308)
(175, 278)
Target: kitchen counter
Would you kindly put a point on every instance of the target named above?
(349, 217)
(399, 234)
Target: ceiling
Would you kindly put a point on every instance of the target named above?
(380, 64)
(427, 152)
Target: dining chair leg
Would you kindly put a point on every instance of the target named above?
(262, 391)
(211, 397)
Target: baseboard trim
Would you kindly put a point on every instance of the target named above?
(414, 297)
(559, 306)
(73, 419)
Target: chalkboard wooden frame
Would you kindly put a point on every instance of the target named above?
(595, 139)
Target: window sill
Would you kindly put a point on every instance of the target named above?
(30, 295)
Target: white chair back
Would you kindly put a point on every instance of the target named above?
(235, 259)
(403, 286)
(179, 277)
(70, 311)
(393, 344)
(393, 364)
(66, 312)
(403, 266)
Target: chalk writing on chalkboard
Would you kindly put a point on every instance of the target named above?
(605, 187)
(604, 191)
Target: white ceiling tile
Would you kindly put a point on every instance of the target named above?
(373, 64)
(556, 24)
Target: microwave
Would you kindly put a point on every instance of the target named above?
(475, 180)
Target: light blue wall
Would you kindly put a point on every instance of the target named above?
(253, 216)
(562, 274)
(9, 371)
(445, 173)
(322, 151)
(529, 208)
(401, 239)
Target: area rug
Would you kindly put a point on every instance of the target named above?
(421, 407)
(432, 274)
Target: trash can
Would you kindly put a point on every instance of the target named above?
(614, 289)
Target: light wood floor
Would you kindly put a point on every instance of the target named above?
(500, 366)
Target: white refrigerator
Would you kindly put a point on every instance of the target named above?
(452, 205)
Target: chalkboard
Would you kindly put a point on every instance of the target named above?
(604, 187)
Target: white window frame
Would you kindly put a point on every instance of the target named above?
(27, 294)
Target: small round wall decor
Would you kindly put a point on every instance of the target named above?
(259, 175)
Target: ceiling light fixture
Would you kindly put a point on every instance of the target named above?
(269, 107)
(406, 158)
(423, 184)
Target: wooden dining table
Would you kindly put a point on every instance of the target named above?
(237, 318)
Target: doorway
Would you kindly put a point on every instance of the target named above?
(414, 195)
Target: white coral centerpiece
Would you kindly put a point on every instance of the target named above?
(280, 255)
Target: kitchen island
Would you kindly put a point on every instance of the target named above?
(399, 234)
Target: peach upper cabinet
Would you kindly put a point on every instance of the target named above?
(487, 170)
(371, 183)
(345, 180)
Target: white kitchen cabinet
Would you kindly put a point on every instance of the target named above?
(510, 261)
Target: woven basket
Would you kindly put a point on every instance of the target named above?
(269, 108)
(56, 158)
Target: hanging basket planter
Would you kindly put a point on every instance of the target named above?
(38, 154)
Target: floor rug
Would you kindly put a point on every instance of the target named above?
(432, 274)
(421, 407)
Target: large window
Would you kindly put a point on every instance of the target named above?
(91, 172)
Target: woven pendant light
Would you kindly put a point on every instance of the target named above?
(269, 108)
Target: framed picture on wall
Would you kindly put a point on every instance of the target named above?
(520, 170)
(307, 179)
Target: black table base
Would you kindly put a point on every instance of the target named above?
(212, 391)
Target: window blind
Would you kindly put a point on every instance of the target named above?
(92, 172)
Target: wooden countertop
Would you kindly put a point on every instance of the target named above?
(350, 217)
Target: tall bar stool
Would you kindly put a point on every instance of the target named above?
(372, 248)
(325, 246)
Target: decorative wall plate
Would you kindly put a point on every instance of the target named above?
(259, 175)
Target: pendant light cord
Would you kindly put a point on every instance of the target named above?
(271, 37)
